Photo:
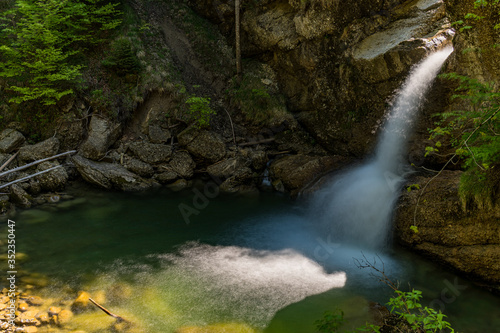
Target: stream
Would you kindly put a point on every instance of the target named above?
(256, 260)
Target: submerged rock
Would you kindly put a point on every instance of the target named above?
(217, 328)
(108, 175)
(82, 303)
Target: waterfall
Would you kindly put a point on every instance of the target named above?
(356, 207)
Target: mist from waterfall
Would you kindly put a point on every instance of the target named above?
(357, 205)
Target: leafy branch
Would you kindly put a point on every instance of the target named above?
(407, 305)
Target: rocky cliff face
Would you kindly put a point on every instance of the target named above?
(338, 62)
(466, 238)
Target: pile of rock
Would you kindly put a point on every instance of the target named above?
(32, 313)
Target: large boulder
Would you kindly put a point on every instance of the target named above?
(102, 134)
(183, 164)
(447, 230)
(40, 150)
(205, 145)
(10, 140)
(54, 180)
(228, 167)
(151, 153)
(157, 134)
(139, 167)
(70, 132)
(297, 171)
(168, 176)
(108, 175)
(241, 181)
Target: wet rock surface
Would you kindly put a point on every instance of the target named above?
(10, 139)
(102, 134)
(151, 153)
(43, 149)
(207, 146)
(465, 238)
(109, 175)
(296, 171)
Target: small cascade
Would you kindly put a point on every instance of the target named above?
(356, 207)
(266, 179)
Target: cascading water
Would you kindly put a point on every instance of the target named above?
(357, 206)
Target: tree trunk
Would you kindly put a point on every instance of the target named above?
(237, 32)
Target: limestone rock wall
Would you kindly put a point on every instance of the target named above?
(337, 62)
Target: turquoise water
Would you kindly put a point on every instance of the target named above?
(256, 260)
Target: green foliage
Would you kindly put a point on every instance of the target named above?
(473, 131)
(474, 134)
(406, 305)
(199, 108)
(123, 59)
(421, 319)
(414, 228)
(40, 43)
(473, 18)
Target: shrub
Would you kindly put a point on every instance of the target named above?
(199, 108)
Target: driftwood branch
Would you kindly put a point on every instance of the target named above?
(30, 176)
(29, 165)
(8, 161)
(109, 313)
(253, 143)
(232, 126)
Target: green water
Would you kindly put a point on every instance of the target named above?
(256, 260)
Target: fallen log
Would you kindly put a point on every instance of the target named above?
(253, 143)
(8, 161)
(29, 165)
(30, 176)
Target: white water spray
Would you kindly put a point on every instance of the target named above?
(357, 206)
